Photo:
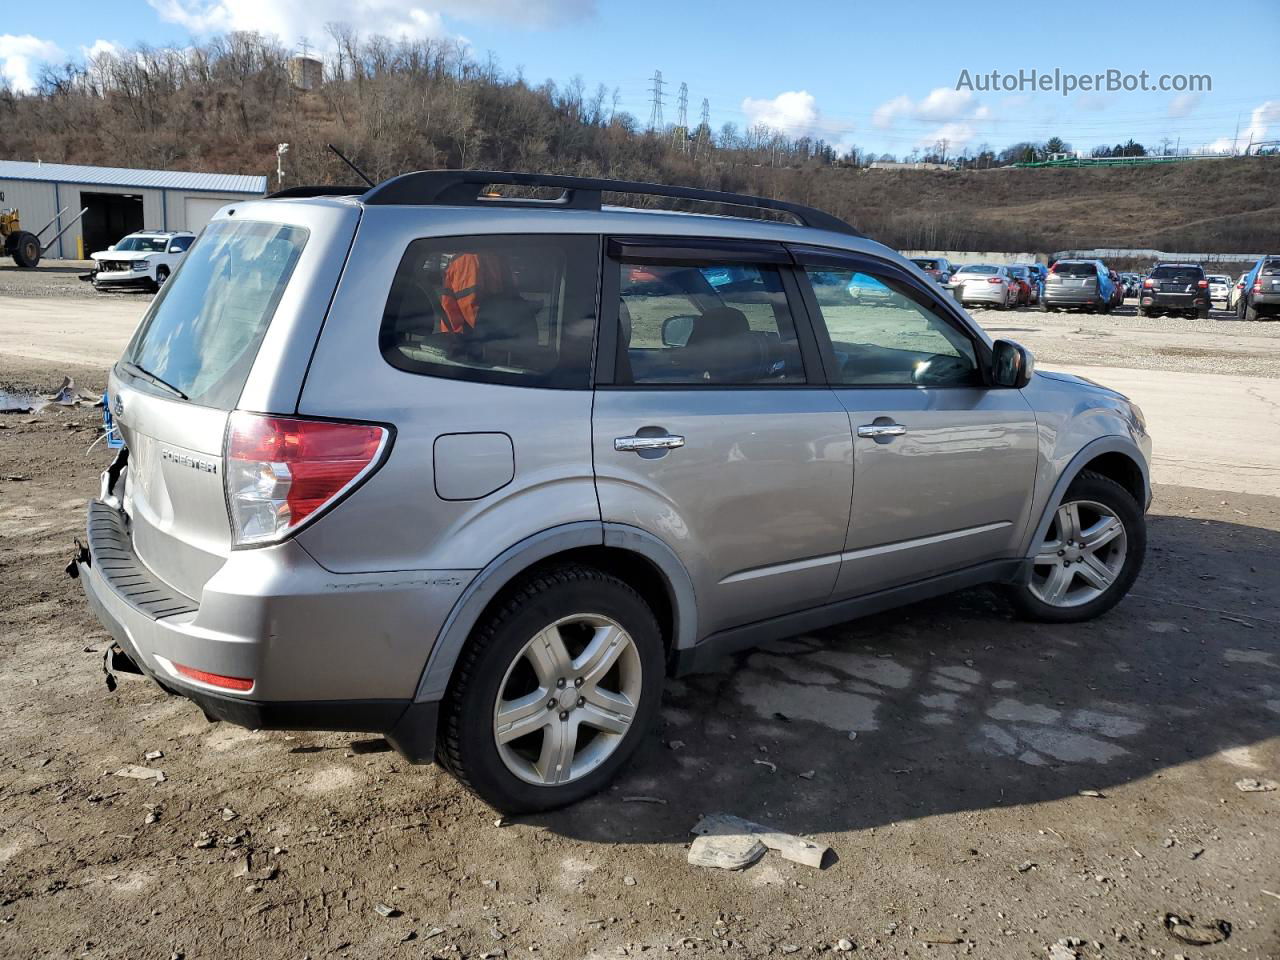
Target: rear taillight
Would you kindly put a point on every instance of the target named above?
(1148, 283)
(994, 280)
(1257, 284)
(1203, 284)
(282, 471)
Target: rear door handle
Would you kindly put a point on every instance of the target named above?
(636, 444)
(875, 430)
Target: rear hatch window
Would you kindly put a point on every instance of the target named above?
(1075, 270)
(1178, 274)
(926, 264)
(980, 270)
(202, 332)
(1271, 268)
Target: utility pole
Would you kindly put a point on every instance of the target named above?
(680, 133)
(703, 144)
(281, 150)
(655, 114)
(1235, 138)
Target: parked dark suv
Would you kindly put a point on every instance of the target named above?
(1260, 296)
(1176, 288)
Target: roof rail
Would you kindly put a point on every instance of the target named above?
(316, 191)
(464, 188)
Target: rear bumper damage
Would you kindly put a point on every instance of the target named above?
(321, 651)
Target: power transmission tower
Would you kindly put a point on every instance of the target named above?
(702, 146)
(680, 133)
(655, 114)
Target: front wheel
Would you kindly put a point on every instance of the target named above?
(553, 693)
(162, 274)
(1089, 557)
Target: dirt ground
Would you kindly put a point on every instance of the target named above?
(1009, 785)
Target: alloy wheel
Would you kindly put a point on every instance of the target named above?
(1082, 556)
(567, 699)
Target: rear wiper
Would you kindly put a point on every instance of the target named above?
(150, 377)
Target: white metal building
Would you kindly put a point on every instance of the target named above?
(119, 201)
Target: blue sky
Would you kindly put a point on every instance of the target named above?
(882, 76)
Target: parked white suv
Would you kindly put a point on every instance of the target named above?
(143, 259)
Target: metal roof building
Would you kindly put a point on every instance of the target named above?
(117, 201)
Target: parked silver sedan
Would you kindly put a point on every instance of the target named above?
(986, 283)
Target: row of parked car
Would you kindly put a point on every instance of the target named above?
(1169, 288)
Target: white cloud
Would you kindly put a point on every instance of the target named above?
(1183, 104)
(957, 136)
(99, 48)
(19, 57)
(1261, 119)
(941, 105)
(885, 114)
(794, 113)
(291, 19)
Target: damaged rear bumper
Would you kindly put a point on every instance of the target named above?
(295, 629)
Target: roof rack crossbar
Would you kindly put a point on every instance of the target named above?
(465, 188)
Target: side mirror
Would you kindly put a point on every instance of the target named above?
(174, 248)
(676, 331)
(112, 247)
(1011, 364)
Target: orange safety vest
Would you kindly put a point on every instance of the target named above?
(467, 277)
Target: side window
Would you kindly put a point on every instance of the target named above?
(502, 309)
(705, 325)
(883, 337)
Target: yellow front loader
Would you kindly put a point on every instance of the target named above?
(23, 245)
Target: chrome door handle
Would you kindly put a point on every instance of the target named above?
(874, 430)
(668, 442)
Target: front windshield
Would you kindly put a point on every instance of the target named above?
(143, 244)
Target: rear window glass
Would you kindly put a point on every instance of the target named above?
(1075, 270)
(978, 268)
(203, 330)
(1271, 268)
(1178, 274)
(926, 264)
(506, 309)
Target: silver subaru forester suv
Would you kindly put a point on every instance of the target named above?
(476, 471)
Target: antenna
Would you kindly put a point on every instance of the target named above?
(680, 132)
(359, 172)
(655, 115)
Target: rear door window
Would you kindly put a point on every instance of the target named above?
(712, 325)
(504, 309)
(202, 332)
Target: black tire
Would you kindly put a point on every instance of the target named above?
(465, 743)
(1250, 312)
(1104, 490)
(26, 249)
(162, 274)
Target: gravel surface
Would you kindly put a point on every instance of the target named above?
(1011, 789)
(53, 278)
(1221, 344)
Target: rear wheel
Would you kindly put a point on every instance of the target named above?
(554, 691)
(1090, 555)
(1250, 312)
(26, 249)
